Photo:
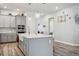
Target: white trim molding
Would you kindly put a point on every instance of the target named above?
(68, 43)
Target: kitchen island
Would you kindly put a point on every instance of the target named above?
(36, 44)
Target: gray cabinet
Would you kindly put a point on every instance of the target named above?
(21, 44)
(7, 28)
(26, 46)
(20, 24)
(1, 21)
(40, 47)
(4, 37)
(13, 37)
(8, 37)
(12, 21)
(20, 20)
(7, 21)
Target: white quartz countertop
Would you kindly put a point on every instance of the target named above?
(7, 32)
(34, 35)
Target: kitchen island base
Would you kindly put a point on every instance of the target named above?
(36, 46)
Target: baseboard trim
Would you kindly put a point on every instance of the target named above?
(72, 44)
(7, 42)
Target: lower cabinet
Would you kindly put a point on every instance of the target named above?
(8, 37)
(4, 37)
(11, 37)
(21, 43)
(26, 47)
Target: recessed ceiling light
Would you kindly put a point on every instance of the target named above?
(18, 9)
(56, 7)
(5, 6)
(29, 18)
(37, 15)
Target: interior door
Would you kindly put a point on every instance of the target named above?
(51, 26)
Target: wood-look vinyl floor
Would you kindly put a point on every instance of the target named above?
(61, 49)
(10, 49)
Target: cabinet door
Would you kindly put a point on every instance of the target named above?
(7, 21)
(26, 46)
(1, 21)
(40, 47)
(12, 21)
(11, 37)
(18, 20)
(23, 20)
(4, 37)
(21, 43)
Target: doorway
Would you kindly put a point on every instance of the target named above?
(50, 22)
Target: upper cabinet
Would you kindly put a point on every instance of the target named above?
(1, 21)
(20, 20)
(7, 21)
(12, 21)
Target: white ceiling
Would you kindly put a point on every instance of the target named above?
(36, 7)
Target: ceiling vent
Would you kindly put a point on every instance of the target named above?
(29, 3)
(43, 3)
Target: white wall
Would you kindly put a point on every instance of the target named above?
(76, 26)
(44, 21)
(31, 24)
(67, 31)
(64, 31)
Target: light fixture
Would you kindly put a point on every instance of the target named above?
(37, 15)
(5, 7)
(29, 18)
(18, 9)
(56, 7)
